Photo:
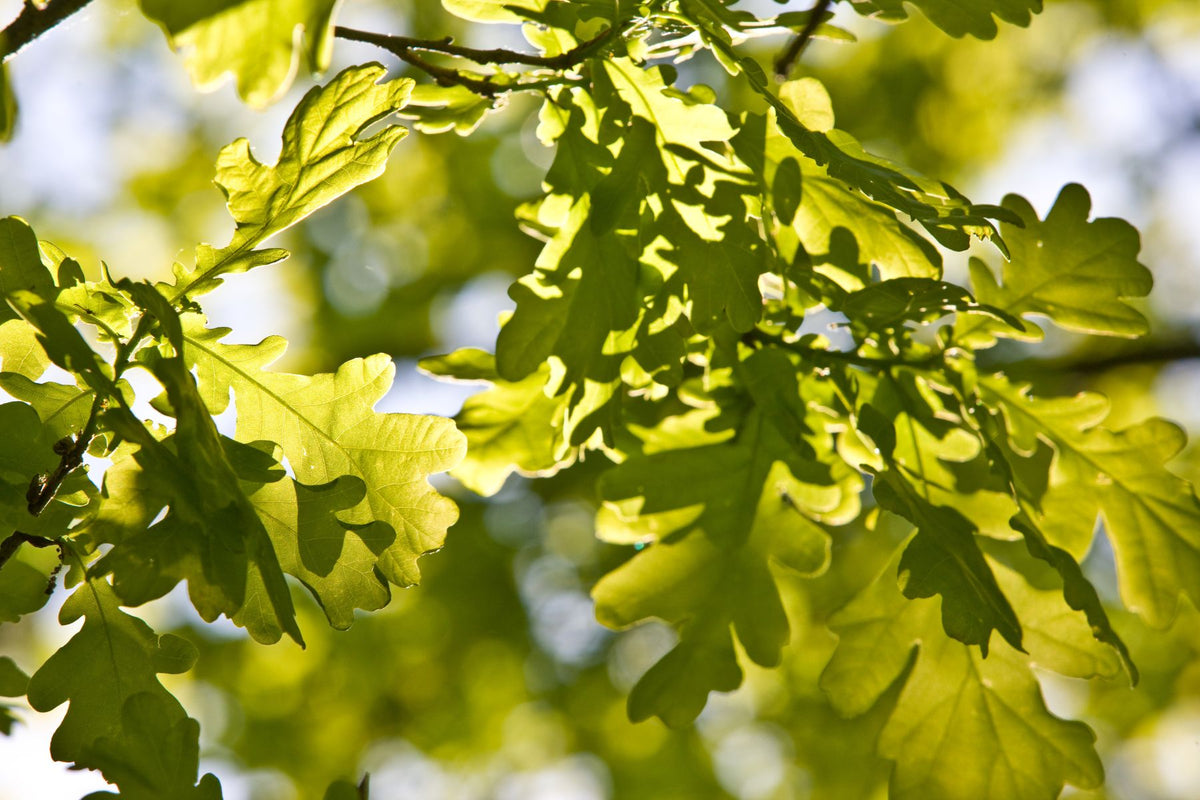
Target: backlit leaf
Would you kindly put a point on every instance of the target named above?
(327, 428)
(258, 41)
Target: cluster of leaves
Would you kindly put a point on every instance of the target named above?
(671, 325)
(313, 483)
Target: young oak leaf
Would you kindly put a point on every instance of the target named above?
(956, 17)
(13, 683)
(818, 204)
(721, 514)
(327, 427)
(21, 267)
(510, 427)
(582, 308)
(1151, 516)
(259, 41)
(949, 217)
(322, 158)
(335, 561)
(965, 725)
(1076, 273)
(121, 720)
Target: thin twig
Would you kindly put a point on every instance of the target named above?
(406, 48)
(787, 59)
(32, 22)
(399, 45)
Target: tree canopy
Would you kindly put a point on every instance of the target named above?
(864, 476)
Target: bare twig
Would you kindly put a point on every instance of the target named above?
(787, 59)
(32, 22)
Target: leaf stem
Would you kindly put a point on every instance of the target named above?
(32, 22)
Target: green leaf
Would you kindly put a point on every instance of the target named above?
(436, 109)
(327, 428)
(13, 683)
(210, 536)
(64, 345)
(583, 309)
(21, 267)
(258, 41)
(25, 578)
(1074, 272)
(956, 17)
(964, 725)
(944, 559)
(677, 118)
(1151, 516)
(721, 514)
(510, 427)
(20, 352)
(121, 720)
(887, 305)
(826, 206)
(676, 688)
(493, 10)
(8, 106)
(335, 561)
(324, 156)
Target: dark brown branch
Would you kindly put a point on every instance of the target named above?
(401, 45)
(406, 48)
(787, 59)
(1083, 365)
(43, 487)
(32, 22)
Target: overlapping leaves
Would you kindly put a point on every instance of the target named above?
(182, 502)
(965, 725)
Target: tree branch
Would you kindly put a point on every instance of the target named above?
(406, 48)
(32, 22)
(400, 45)
(787, 59)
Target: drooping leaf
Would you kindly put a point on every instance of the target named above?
(121, 720)
(327, 428)
(322, 158)
(258, 41)
(943, 558)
